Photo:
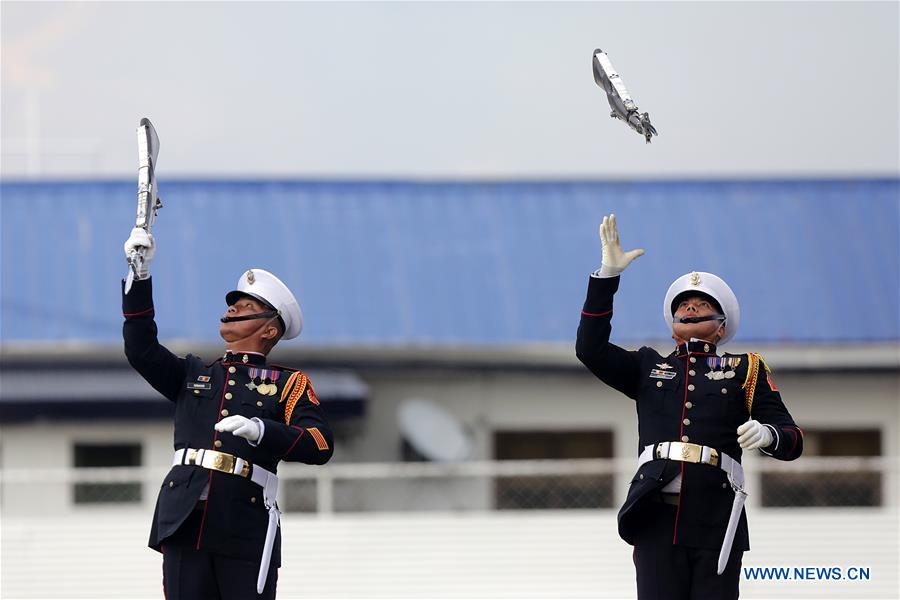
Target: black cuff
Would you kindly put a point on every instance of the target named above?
(600, 295)
(139, 298)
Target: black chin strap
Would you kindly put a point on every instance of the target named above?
(698, 319)
(269, 314)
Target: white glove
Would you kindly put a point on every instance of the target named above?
(753, 434)
(141, 242)
(241, 427)
(614, 258)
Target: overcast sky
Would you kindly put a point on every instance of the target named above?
(449, 90)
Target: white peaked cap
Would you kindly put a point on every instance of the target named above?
(265, 287)
(714, 287)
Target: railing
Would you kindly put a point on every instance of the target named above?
(467, 486)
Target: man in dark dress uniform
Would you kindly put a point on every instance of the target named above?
(216, 521)
(698, 409)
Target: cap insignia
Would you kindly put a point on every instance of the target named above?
(695, 278)
(250, 277)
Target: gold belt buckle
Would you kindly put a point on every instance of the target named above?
(686, 452)
(218, 461)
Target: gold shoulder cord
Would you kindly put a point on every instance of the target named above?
(294, 396)
(750, 383)
(288, 385)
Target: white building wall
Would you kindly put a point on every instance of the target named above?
(484, 402)
(49, 445)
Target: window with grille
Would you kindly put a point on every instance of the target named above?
(829, 488)
(96, 455)
(554, 491)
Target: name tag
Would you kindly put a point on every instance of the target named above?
(660, 374)
(199, 386)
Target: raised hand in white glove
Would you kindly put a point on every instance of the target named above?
(141, 242)
(753, 434)
(614, 258)
(241, 427)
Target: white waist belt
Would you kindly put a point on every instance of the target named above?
(227, 463)
(695, 453)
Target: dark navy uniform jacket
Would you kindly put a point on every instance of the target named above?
(676, 401)
(235, 517)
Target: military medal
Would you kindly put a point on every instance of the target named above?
(732, 363)
(718, 365)
(271, 376)
(253, 372)
(267, 378)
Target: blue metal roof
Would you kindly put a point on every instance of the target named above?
(402, 263)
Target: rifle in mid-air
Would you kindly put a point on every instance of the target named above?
(623, 107)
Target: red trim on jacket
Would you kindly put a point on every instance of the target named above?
(209, 483)
(680, 436)
(587, 314)
(796, 435)
(205, 508)
(678, 507)
(288, 451)
(143, 312)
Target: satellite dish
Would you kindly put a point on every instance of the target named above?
(433, 432)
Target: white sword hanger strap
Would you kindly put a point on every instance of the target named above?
(740, 496)
(270, 492)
